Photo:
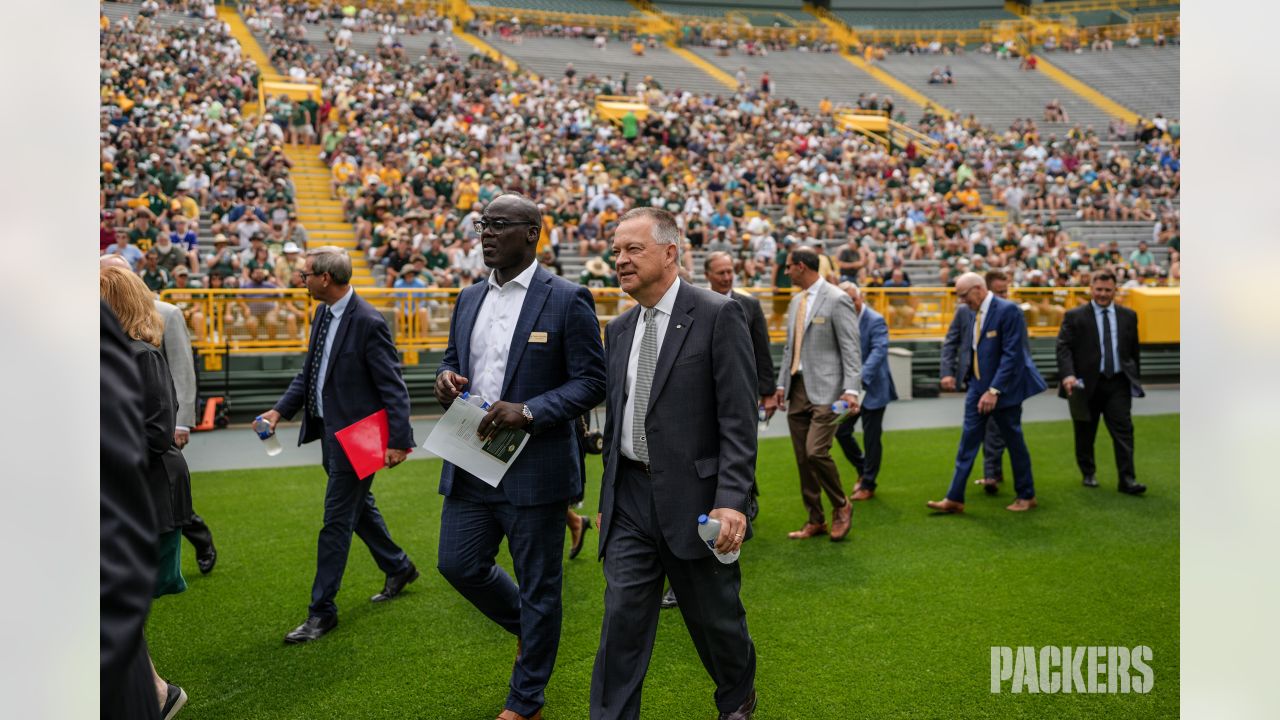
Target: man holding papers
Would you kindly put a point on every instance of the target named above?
(528, 343)
(351, 372)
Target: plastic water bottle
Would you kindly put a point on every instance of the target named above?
(709, 530)
(764, 417)
(473, 400)
(269, 439)
(840, 407)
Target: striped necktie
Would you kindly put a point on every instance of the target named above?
(645, 367)
(317, 352)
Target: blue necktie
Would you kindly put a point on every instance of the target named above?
(317, 353)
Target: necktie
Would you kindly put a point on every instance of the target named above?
(1108, 351)
(317, 352)
(797, 334)
(977, 335)
(646, 365)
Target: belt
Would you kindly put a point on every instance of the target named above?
(634, 464)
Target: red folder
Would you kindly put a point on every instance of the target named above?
(365, 443)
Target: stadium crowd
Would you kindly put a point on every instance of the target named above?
(418, 145)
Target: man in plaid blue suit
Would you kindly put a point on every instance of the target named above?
(528, 342)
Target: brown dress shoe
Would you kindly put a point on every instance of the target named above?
(842, 521)
(510, 714)
(862, 494)
(808, 531)
(1021, 505)
(946, 506)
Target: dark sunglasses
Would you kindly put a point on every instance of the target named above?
(498, 225)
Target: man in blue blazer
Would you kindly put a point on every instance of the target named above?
(352, 370)
(956, 365)
(878, 391)
(1000, 376)
(528, 342)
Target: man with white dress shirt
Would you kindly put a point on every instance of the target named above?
(528, 343)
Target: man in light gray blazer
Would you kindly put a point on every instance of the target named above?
(821, 363)
(680, 441)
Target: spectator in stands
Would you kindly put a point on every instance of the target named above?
(266, 312)
(155, 277)
(1143, 261)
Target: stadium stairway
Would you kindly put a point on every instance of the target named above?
(250, 48)
(319, 212)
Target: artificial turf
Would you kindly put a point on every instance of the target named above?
(896, 622)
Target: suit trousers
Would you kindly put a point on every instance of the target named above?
(811, 437)
(198, 534)
(1111, 400)
(635, 561)
(868, 466)
(1009, 422)
(993, 452)
(472, 525)
(348, 507)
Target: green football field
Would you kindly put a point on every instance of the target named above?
(896, 622)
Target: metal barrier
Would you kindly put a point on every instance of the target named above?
(255, 321)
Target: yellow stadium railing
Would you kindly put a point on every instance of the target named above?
(256, 321)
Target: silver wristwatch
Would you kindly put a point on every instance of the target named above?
(527, 413)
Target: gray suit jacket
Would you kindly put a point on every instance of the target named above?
(701, 420)
(831, 356)
(177, 352)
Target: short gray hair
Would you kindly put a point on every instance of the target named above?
(665, 230)
(706, 262)
(333, 260)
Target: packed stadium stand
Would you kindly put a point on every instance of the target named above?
(1144, 79)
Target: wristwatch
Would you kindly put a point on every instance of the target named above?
(994, 391)
(527, 413)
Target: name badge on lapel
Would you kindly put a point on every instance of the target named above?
(820, 319)
(537, 337)
(991, 333)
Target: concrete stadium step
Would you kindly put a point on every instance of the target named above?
(548, 57)
(803, 76)
(1143, 79)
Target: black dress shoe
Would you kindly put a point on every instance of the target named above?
(1130, 487)
(579, 537)
(206, 559)
(175, 698)
(669, 599)
(396, 583)
(744, 711)
(313, 629)
(1090, 481)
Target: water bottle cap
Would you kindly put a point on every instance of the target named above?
(702, 519)
(465, 395)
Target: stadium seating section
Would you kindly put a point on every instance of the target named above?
(581, 7)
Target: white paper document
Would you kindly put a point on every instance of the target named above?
(454, 439)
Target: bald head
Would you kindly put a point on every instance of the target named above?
(971, 289)
(113, 260)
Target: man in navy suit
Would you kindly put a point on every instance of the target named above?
(878, 392)
(352, 371)
(956, 365)
(1000, 376)
(528, 342)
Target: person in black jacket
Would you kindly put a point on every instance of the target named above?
(127, 534)
(1098, 361)
(168, 481)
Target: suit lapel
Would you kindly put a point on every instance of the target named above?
(620, 355)
(535, 297)
(348, 316)
(467, 312)
(677, 331)
(819, 302)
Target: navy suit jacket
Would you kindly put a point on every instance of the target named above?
(877, 383)
(560, 380)
(1004, 357)
(363, 377)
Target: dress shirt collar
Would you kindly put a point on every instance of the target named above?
(340, 307)
(667, 303)
(812, 290)
(1098, 309)
(524, 279)
(986, 304)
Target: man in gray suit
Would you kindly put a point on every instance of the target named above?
(821, 363)
(680, 382)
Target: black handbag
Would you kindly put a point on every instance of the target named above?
(592, 439)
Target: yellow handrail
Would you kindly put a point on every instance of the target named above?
(255, 321)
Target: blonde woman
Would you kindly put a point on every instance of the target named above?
(168, 481)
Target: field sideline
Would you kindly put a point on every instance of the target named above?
(897, 622)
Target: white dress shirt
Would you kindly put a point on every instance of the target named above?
(336, 310)
(810, 304)
(491, 336)
(1110, 310)
(661, 320)
(981, 316)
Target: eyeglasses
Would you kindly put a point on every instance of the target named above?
(306, 274)
(498, 225)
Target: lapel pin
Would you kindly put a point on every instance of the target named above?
(679, 326)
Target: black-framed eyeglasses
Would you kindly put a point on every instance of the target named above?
(306, 274)
(497, 224)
